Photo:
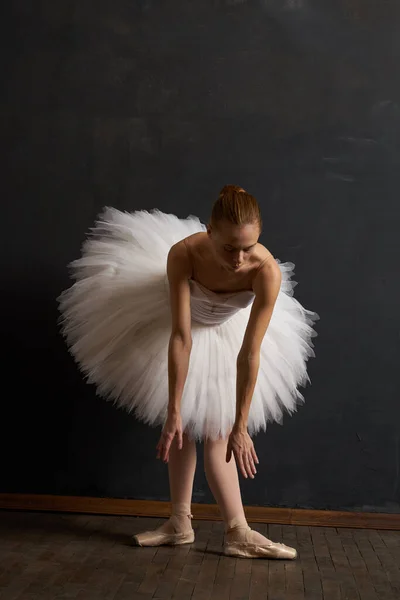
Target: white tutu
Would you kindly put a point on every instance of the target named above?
(116, 320)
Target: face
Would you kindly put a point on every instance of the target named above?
(233, 244)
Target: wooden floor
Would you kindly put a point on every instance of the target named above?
(46, 556)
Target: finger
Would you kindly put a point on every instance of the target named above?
(160, 451)
(161, 439)
(254, 455)
(241, 465)
(250, 458)
(167, 446)
(159, 448)
(247, 465)
(252, 465)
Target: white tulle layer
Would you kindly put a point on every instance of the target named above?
(116, 320)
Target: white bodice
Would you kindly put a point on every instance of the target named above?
(214, 308)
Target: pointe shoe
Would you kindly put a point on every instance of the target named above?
(163, 537)
(246, 548)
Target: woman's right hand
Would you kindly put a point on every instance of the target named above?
(171, 430)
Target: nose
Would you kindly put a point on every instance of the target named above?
(238, 258)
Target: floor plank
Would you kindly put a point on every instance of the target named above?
(48, 556)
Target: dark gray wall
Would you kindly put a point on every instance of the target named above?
(153, 104)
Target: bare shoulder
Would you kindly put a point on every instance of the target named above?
(196, 242)
(179, 263)
(267, 273)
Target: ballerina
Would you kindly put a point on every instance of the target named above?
(195, 329)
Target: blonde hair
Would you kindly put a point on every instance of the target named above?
(236, 206)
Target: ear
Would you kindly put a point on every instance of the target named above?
(209, 229)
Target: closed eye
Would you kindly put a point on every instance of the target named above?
(231, 249)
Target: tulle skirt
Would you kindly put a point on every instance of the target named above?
(116, 321)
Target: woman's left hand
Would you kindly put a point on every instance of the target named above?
(241, 444)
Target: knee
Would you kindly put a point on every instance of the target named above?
(213, 447)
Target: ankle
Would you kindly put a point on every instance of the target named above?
(181, 517)
(236, 523)
(180, 524)
(181, 509)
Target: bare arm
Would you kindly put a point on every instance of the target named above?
(266, 287)
(179, 348)
(180, 344)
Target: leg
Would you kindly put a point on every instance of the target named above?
(223, 479)
(181, 470)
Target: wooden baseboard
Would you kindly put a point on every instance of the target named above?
(149, 508)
